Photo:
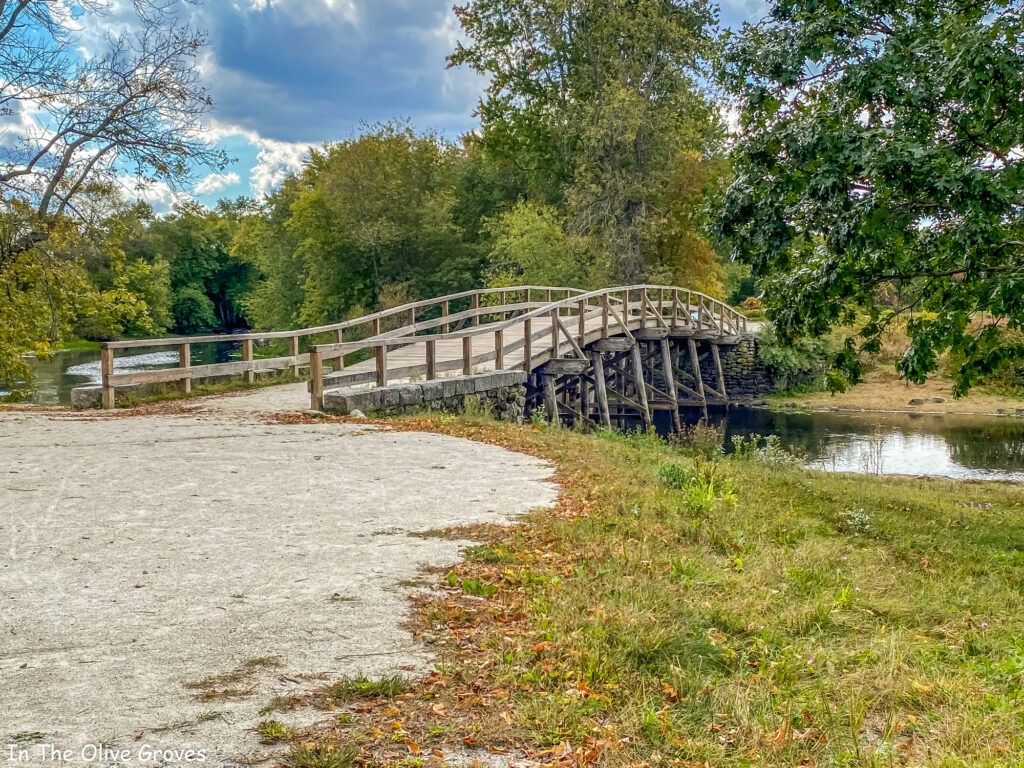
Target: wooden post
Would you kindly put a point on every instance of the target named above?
(675, 307)
(641, 385)
(661, 302)
(584, 398)
(700, 313)
(600, 389)
(412, 317)
(316, 380)
(381, 353)
(554, 333)
(107, 370)
(474, 303)
(502, 315)
(339, 336)
(444, 313)
(528, 344)
(250, 376)
(185, 361)
(670, 383)
(467, 355)
(718, 369)
(551, 398)
(293, 350)
(604, 316)
(375, 326)
(583, 323)
(695, 365)
(643, 307)
(625, 308)
(431, 359)
(499, 351)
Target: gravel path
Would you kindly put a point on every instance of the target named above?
(140, 554)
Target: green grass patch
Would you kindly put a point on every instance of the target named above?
(364, 688)
(746, 611)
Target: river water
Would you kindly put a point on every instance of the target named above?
(949, 445)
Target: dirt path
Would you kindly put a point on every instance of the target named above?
(140, 554)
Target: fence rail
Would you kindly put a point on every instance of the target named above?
(517, 311)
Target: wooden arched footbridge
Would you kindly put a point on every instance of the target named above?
(599, 355)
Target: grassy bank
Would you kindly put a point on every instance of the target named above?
(685, 612)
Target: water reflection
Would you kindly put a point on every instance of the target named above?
(56, 377)
(946, 445)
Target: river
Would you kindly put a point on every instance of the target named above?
(946, 445)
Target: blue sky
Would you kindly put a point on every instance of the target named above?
(287, 74)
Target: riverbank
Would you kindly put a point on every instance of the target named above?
(883, 391)
(673, 611)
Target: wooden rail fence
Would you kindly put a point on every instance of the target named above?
(531, 324)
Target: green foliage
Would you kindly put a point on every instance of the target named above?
(797, 358)
(878, 170)
(531, 248)
(700, 439)
(702, 486)
(766, 450)
(603, 114)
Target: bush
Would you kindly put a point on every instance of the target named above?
(766, 450)
(700, 484)
(700, 439)
(793, 361)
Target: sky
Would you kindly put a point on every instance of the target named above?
(289, 74)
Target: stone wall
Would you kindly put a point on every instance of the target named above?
(746, 377)
(501, 393)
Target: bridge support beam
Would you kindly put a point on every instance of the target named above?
(641, 386)
(670, 383)
(600, 388)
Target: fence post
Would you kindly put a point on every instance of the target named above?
(467, 355)
(316, 380)
(184, 361)
(412, 317)
(293, 350)
(250, 375)
(431, 360)
(604, 316)
(583, 322)
(554, 332)
(474, 304)
(643, 307)
(675, 307)
(107, 370)
(381, 354)
(339, 335)
(444, 313)
(527, 345)
(504, 300)
(499, 351)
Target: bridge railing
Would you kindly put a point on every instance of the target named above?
(489, 311)
(385, 324)
(619, 309)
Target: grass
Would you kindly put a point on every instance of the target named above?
(364, 688)
(689, 612)
(229, 685)
(272, 731)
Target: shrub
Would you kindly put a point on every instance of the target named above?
(700, 439)
(766, 450)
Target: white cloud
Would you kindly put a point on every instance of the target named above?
(156, 193)
(310, 12)
(215, 182)
(274, 162)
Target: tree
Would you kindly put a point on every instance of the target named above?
(376, 212)
(87, 117)
(593, 101)
(880, 148)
